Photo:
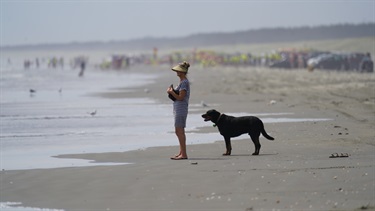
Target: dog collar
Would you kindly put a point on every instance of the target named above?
(217, 120)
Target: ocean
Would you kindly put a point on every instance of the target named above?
(57, 117)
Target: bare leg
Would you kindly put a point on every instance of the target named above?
(180, 132)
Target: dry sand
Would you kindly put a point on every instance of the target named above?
(294, 172)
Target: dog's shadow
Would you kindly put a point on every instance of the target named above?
(250, 155)
(235, 155)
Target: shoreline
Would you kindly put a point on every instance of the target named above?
(293, 172)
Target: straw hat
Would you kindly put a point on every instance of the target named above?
(182, 67)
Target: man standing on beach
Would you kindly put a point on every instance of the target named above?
(180, 107)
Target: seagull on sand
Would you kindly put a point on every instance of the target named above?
(93, 113)
(32, 92)
(203, 104)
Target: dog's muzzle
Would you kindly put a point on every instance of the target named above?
(206, 117)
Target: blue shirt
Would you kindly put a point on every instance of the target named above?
(180, 107)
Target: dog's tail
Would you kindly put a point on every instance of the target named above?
(264, 133)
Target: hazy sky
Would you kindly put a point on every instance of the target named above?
(63, 21)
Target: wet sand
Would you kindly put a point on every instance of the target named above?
(294, 172)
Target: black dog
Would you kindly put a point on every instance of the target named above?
(230, 126)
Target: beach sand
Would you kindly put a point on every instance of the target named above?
(294, 172)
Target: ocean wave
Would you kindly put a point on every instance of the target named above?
(81, 133)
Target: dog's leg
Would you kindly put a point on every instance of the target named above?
(255, 139)
(228, 146)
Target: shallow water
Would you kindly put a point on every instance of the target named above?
(9, 206)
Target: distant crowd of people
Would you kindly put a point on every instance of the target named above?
(52, 62)
(287, 58)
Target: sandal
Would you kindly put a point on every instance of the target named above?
(178, 158)
(175, 156)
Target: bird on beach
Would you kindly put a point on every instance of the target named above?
(272, 102)
(93, 113)
(203, 104)
(32, 92)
